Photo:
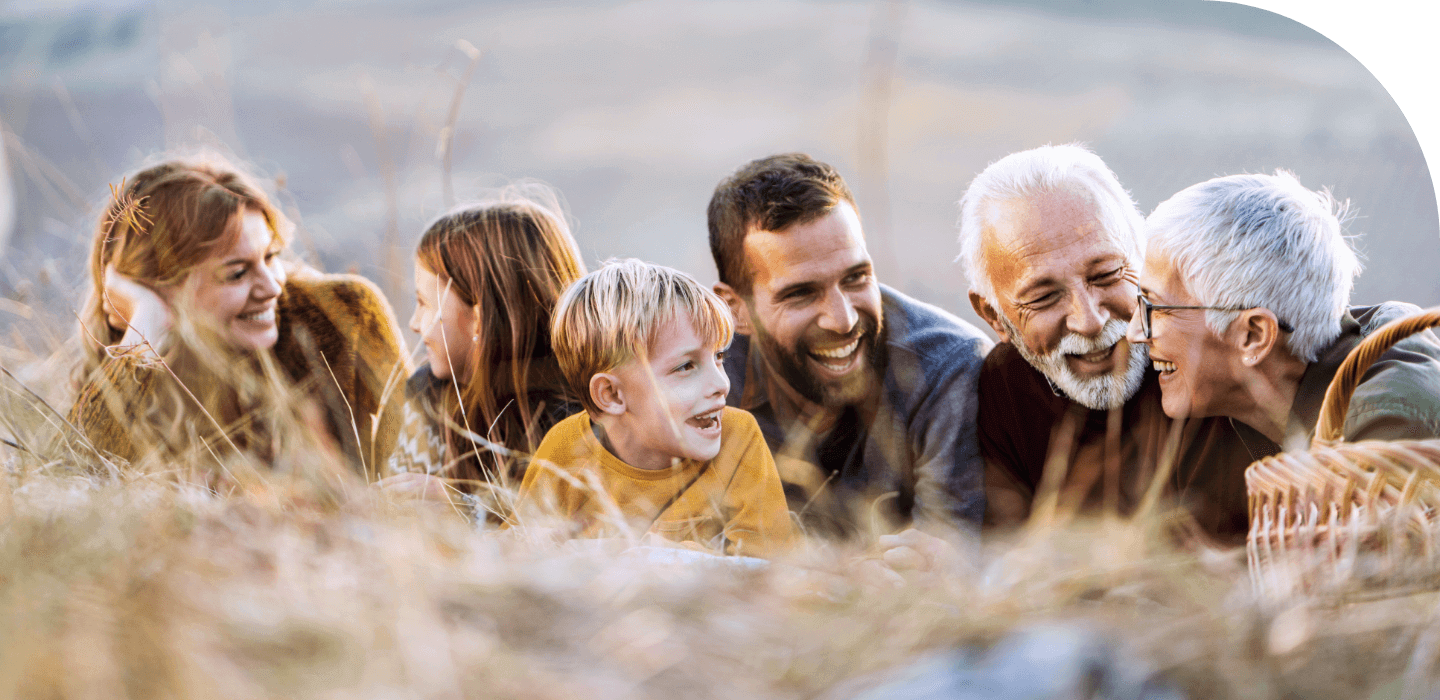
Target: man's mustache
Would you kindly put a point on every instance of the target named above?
(866, 326)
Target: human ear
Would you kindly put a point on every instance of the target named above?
(474, 323)
(738, 307)
(607, 394)
(1255, 333)
(990, 315)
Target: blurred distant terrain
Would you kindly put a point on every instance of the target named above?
(634, 110)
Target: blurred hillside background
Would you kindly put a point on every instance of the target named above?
(634, 110)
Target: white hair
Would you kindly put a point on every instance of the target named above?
(1040, 170)
(1246, 241)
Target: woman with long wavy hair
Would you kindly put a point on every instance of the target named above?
(487, 277)
(203, 342)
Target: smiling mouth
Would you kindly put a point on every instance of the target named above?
(262, 316)
(838, 359)
(1097, 356)
(1163, 366)
(707, 422)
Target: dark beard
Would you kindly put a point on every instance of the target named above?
(793, 368)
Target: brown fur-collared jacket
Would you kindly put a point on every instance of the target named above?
(339, 347)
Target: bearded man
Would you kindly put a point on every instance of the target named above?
(1052, 245)
(866, 397)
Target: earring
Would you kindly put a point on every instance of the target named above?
(475, 338)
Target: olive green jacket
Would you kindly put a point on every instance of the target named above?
(1398, 398)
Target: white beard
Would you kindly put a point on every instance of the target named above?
(1102, 393)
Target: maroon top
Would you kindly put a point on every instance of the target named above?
(1020, 415)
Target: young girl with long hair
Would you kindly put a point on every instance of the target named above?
(487, 277)
(201, 340)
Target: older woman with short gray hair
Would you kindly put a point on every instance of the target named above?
(1244, 304)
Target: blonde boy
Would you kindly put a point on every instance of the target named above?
(656, 447)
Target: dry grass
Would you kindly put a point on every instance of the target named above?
(305, 583)
(198, 580)
(231, 580)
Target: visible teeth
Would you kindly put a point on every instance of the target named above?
(839, 353)
(707, 420)
(1163, 366)
(266, 315)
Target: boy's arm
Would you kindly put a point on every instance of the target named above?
(759, 521)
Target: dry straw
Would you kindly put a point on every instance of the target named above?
(301, 581)
(296, 579)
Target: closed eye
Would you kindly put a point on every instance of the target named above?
(795, 295)
(1109, 278)
(1041, 302)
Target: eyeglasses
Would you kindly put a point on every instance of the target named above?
(1146, 307)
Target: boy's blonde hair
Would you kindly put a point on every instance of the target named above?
(614, 315)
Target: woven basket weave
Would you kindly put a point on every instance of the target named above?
(1343, 514)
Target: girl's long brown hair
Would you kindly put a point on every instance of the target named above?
(509, 259)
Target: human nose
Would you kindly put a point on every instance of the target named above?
(270, 282)
(1135, 331)
(839, 315)
(1087, 317)
(415, 320)
(719, 381)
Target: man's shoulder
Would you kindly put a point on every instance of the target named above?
(1006, 375)
(736, 358)
(933, 335)
(1014, 396)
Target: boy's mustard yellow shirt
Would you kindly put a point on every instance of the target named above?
(733, 502)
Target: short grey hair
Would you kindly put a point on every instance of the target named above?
(1043, 170)
(1265, 241)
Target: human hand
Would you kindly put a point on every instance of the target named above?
(875, 574)
(913, 550)
(417, 486)
(135, 308)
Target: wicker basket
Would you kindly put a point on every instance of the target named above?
(1344, 515)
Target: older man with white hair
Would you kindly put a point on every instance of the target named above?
(1051, 243)
(1245, 306)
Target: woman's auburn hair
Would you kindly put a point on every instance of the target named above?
(510, 259)
(162, 222)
